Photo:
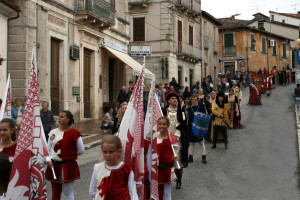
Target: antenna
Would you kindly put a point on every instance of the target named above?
(295, 6)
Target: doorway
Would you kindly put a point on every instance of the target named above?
(87, 83)
(55, 90)
(230, 67)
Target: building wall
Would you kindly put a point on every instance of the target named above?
(288, 20)
(3, 52)
(254, 60)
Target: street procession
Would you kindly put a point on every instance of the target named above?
(149, 100)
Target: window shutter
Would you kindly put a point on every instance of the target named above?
(284, 50)
(274, 48)
(263, 41)
(228, 37)
(139, 29)
(191, 35)
(179, 30)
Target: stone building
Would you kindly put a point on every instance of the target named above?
(210, 32)
(81, 52)
(285, 24)
(245, 48)
(8, 12)
(172, 29)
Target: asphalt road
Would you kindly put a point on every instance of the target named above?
(260, 164)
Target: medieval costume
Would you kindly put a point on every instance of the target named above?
(268, 85)
(209, 111)
(177, 127)
(237, 92)
(254, 97)
(9, 150)
(235, 113)
(221, 119)
(192, 138)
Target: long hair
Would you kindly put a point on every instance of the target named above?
(12, 125)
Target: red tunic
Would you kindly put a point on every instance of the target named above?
(146, 179)
(68, 168)
(254, 98)
(166, 159)
(115, 186)
(10, 150)
(268, 84)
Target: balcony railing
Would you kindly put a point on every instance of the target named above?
(188, 52)
(193, 7)
(206, 42)
(99, 9)
(229, 51)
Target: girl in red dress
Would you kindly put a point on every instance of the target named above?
(64, 144)
(8, 137)
(166, 172)
(112, 179)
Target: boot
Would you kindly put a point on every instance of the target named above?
(179, 176)
(214, 146)
(204, 159)
(226, 145)
(191, 158)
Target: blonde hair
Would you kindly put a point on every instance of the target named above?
(112, 139)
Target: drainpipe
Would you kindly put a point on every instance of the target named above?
(16, 17)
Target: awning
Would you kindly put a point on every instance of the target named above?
(137, 67)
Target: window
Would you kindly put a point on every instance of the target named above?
(191, 35)
(228, 37)
(272, 16)
(284, 50)
(139, 29)
(179, 36)
(274, 49)
(191, 4)
(113, 3)
(283, 21)
(263, 45)
(252, 42)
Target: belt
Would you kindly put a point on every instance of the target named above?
(61, 162)
(165, 166)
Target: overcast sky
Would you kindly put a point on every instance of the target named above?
(226, 8)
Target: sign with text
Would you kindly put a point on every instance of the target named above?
(113, 45)
(136, 50)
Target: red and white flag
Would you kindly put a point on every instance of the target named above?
(131, 134)
(151, 129)
(5, 111)
(27, 178)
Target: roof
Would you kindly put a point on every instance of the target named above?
(231, 21)
(294, 15)
(211, 18)
(12, 6)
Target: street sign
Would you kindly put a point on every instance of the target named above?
(136, 50)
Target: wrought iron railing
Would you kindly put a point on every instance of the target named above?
(192, 5)
(98, 8)
(229, 50)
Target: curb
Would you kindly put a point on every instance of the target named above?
(92, 144)
(298, 128)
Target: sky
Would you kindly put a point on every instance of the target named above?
(246, 8)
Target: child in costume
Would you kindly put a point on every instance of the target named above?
(166, 173)
(5, 167)
(7, 137)
(112, 179)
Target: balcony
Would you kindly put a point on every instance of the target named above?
(206, 42)
(216, 47)
(138, 3)
(97, 13)
(188, 52)
(229, 51)
(192, 8)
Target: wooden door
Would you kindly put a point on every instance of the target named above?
(55, 76)
(87, 84)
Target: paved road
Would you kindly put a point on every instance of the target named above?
(260, 164)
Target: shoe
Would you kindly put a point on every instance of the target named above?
(184, 165)
(191, 158)
(214, 146)
(204, 159)
(178, 184)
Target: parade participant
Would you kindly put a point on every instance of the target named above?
(17, 114)
(266, 72)
(268, 85)
(64, 144)
(235, 113)
(297, 95)
(219, 123)
(196, 106)
(254, 97)
(46, 118)
(237, 92)
(201, 96)
(166, 159)
(212, 99)
(177, 126)
(5, 168)
(112, 179)
(8, 137)
(119, 117)
(186, 93)
(108, 120)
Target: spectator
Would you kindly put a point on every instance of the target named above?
(204, 86)
(46, 118)
(162, 96)
(17, 114)
(122, 95)
(259, 71)
(130, 86)
(130, 90)
(166, 88)
(186, 93)
(181, 90)
(108, 120)
(297, 95)
(174, 84)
